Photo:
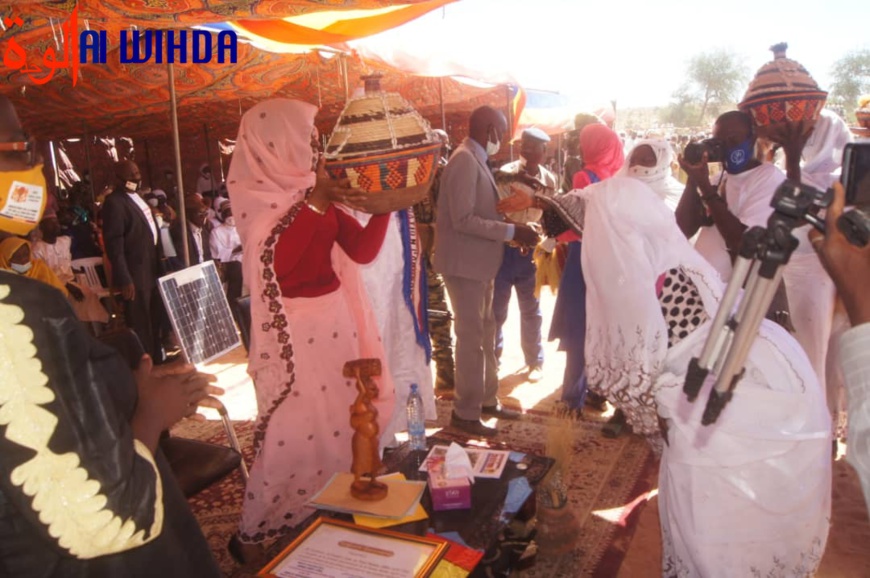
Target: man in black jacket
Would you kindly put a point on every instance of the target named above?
(130, 236)
(198, 231)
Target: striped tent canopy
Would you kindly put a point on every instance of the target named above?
(132, 99)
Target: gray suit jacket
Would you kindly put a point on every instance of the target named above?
(470, 234)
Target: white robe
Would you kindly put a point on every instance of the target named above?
(752, 492)
(405, 358)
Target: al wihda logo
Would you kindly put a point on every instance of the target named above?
(136, 47)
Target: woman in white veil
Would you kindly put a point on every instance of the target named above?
(750, 494)
(649, 161)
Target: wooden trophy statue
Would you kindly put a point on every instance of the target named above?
(366, 433)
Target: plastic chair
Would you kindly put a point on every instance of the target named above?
(196, 464)
(91, 272)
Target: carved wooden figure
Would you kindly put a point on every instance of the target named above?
(366, 433)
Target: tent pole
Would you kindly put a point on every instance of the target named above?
(90, 166)
(510, 119)
(208, 148)
(54, 167)
(441, 99)
(148, 164)
(342, 64)
(319, 92)
(173, 112)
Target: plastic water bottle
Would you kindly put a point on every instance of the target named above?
(416, 421)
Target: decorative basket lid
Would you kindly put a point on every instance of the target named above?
(377, 122)
(780, 76)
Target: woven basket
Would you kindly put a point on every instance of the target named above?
(863, 116)
(783, 91)
(382, 144)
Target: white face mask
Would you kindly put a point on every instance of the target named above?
(131, 186)
(22, 269)
(492, 147)
(230, 221)
(640, 172)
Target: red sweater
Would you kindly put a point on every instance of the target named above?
(303, 260)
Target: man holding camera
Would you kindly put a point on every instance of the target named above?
(740, 201)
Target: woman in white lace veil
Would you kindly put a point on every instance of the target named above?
(750, 494)
(650, 161)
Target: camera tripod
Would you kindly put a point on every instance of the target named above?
(759, 267)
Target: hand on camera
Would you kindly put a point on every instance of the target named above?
(698, 173)
(847, 264)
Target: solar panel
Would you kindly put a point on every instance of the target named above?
(199, 312)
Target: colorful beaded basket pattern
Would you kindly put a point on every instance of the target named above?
(388, 172)
(783, 91)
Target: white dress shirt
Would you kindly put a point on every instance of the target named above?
(224, 239)
(146, 210)
(196, 233)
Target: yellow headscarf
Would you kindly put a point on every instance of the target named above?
(40, 271)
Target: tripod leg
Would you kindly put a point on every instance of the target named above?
(722, 328)
(732, 370)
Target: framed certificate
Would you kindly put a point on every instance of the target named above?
(335, 549)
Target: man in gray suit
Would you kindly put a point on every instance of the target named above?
(469, 247)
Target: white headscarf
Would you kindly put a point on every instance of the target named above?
(630, 239)
(659, 177)
(823, 153)
(269, 174)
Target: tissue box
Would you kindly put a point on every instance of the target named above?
(448, 493)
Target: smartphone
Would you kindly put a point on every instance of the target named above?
(855, 175)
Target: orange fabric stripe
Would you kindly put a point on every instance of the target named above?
(341, 31)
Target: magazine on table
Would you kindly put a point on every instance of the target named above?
(485, 463)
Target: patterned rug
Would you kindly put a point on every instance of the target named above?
(607, 480)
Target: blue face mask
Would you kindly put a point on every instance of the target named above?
(738, 157)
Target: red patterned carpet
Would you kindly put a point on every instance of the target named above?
(607, 480)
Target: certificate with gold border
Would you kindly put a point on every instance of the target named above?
(335, 549)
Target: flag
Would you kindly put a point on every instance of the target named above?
(518, 104)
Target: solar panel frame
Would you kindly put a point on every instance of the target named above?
(199, 312)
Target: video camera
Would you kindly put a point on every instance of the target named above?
(714, 148)
(796, 202)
